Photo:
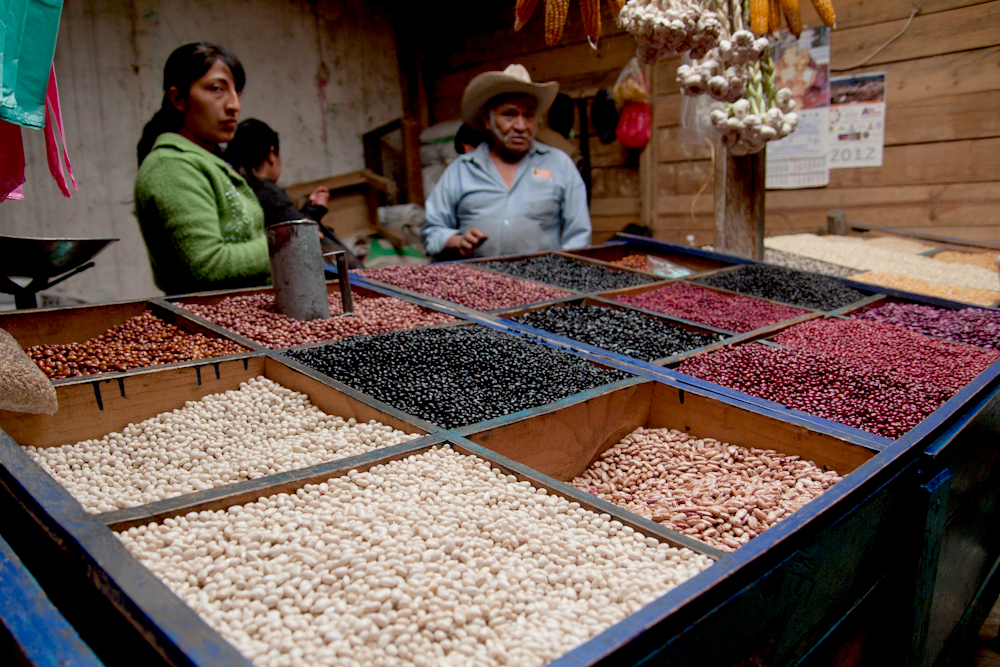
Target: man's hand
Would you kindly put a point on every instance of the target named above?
(466, 243)
(320, 196)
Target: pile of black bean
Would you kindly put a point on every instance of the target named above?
(805, 290)
(568, 274)
(627, 332)
(802, 263)
(456, 376)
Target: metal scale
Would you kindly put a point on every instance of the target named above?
(47, 262)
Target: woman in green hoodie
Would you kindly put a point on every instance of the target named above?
(202, 224)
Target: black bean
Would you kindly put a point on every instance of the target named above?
(456, 376)
(805, 290)
(626, 332)
(569, 274)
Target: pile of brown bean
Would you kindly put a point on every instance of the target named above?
(874, 398)
(472, 288)
(704, 306)
(634, 261)
(720, 494)
(255, 317)
(143, 340)
(893, 348)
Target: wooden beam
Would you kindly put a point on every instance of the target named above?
(411, 161)
(739, 203)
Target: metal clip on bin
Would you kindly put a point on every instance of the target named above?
(346, 297)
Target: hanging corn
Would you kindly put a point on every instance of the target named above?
(591, 10)
(555, 20)
(759, 10)
(825, 10)
(523, 12)
(792, 16)
(774, 16)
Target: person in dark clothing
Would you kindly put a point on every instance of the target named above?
(254, 153)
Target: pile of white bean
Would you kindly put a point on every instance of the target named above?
(260, 429)
(721, 494)
(860, 254)
(435, 559)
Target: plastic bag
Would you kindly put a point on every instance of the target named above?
(635, 126)
(665, 268)
(23, 385)
(631, 85)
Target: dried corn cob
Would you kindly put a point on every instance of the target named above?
(759, 16)
(523, 12)
(591, 10)
(555, 20)
(792, 15)
(774, 16)
(825, 10)
(616, 5)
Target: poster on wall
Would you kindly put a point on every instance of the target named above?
(857, 120)
(802, 64)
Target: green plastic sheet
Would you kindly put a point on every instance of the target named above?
(28, 33)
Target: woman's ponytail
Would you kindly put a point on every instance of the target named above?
(167, 119)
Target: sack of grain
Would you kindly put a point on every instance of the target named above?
(23, 385)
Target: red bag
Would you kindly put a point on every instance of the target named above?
(635, 125)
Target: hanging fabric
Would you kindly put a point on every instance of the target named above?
(52, 144)
(11, 161)
(28, 44)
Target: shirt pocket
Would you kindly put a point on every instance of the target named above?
(544, 202)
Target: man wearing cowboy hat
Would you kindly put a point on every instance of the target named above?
(512, 195)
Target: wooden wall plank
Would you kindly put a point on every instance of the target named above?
(968, 116)
(943, 162)
(854, 13)
(961, 29)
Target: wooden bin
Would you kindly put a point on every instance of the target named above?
(34, 633)
(480, 262)
(811, 590)
(341, 386)
(332, 287)
(597, 301)
(76, 324)
(697, 261)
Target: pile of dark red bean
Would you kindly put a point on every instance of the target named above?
(143, 340)
(255, 317)
(805, 290)
(569, 274)
(455, 376)
(878, 377)
(845, 390)
(479, 290)
(892, 348)
(627, 332)
(723, 311)
(973, 326)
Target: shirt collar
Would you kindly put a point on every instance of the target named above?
(481, 156)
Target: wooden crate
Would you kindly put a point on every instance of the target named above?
(596, 301)
(562, 441)
(479, 264)
(616, 250)
(358, 288)
(94, 409)
(34, 633)
(53, 326)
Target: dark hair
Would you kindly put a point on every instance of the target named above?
(185, 65)
(252, 144)
(467, 135)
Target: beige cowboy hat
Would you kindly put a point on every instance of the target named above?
(514, 79)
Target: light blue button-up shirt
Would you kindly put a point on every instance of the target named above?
(545, 208)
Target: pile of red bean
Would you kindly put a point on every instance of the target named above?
(472, 288)
(254, 316)
(724, 311)
(871, 397)
(886, 346)
(972, 326)
(143, 340)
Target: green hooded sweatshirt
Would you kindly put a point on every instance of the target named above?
(203, 227)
